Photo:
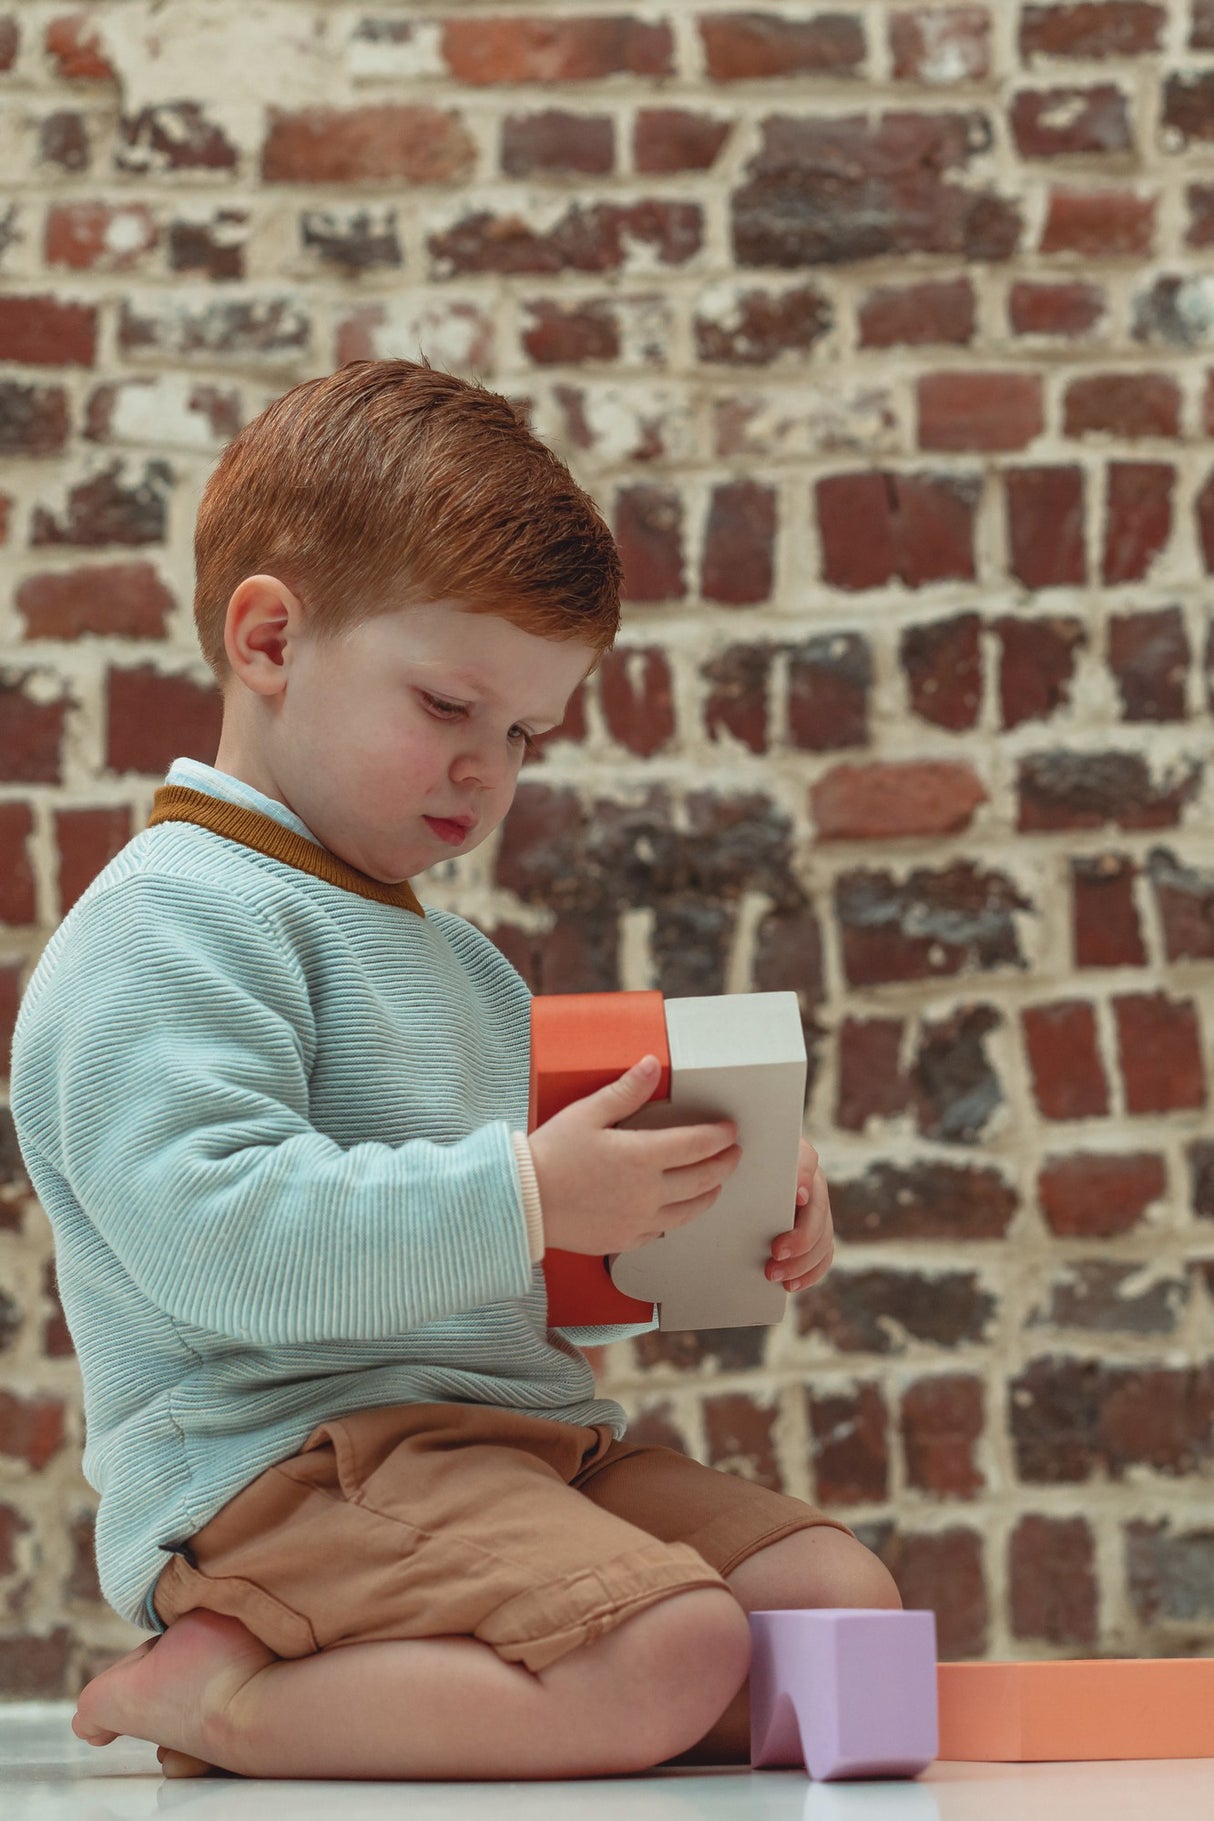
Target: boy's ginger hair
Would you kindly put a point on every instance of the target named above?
(390, 483)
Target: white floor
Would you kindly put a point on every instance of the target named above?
(47, 1774)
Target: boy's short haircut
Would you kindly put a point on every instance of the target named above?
(388, 484)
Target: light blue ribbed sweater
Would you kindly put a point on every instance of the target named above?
(269, 1120)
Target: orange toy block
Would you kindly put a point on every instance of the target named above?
(1122, 1707)
(579, 1043)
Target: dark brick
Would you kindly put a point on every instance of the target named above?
(943, 665)
(944, 1571)
(1105, 924)
(31, 732)
(831, 191)
(1170, 1572)
(922, 315)
(353, 241)
(736, 703)
(216, 249)
(106, 510)
(740, 1437)
(1037, 664)
(942, 1424)
(649, 531)
(1071, 122)
(953, 921)
(871, 1082)
(1045, 522)
(1092, 29)
(1175, 311)
(1072, 1419)
(849, 1446)
(1067, 790)
(669, 140)
(763, 326)
(883, 1311)
(1064, 1060)
(925, 1200)
(1201, 1177)
(1149, 655)
(1184, 897)
(742, 47)
(595, 237)
(1139, 518)
(1201, 215)
(34, 420)
(1054, 1587)
(1188, 106)
(829, 680)
(956, 1091)
(172, 136)
(739, 544)
(557, 142)
(1123, 405)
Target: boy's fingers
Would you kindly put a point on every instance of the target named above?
(698, 1178)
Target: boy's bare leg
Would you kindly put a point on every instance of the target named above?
(210, 1693)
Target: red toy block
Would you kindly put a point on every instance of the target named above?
(581, 1042)
(1065, 1712)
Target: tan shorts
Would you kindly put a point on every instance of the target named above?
(441, 1520)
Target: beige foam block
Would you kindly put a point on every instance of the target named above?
(737, 1056)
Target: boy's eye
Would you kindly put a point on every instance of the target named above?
(441, 707)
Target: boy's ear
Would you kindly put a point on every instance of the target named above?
(263, 616)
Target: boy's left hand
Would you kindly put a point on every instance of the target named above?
(803, 1256)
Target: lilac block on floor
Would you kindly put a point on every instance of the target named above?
(846, 1691)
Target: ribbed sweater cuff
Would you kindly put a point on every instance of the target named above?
(531, 1197)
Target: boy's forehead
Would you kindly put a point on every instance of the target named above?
(442, 636)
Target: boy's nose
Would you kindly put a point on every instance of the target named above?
(479, 765)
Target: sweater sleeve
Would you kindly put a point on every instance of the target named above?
(162, 1072)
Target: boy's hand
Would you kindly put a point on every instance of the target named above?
(604, 1190)
(803, 1257)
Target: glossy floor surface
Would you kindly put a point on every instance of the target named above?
(47, 1774)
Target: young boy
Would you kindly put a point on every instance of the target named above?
(364, 1496)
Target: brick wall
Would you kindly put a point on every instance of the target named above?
(884, 335)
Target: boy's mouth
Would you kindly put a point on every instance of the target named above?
(453, 829)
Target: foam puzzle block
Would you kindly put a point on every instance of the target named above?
(739, 1056)
(845, 1691)
(1064, 1712)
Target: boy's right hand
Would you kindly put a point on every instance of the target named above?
(603, 1190)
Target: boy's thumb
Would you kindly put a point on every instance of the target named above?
(630, 1092)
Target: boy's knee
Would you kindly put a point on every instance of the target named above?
(689, 1663)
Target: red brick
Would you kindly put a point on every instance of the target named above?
(32, 1429)
(1124, 405)
(569, 335)
(151, 719)
(1054, 1588)
(880, 527)
(1201, 215)
(556, 142)
(891, 801)
(1055, 309)
(1104, 921)
(1037, 663)
(10, 42)
(941, 46)
(740, 47)
(1201, 34)
(86, 840)
(1095, 29)
(1071, 122)
(1099, 1195)
(111, 600)
(73, 41)
(1188, 107)
(109, 508)
(18, 896)
(34, 420)
(739, 1433)
(635, 693)
(99, 236)
(918, 315)
(872, 1084)
(737, 701)
(1100, 224)
(1205, 523)
(372, 144)
(943, 666)
(739, 544)
(942, 1423)
(957, 920)
(764, 325)
(1138, 519)
(1149, 655)
(1159, 1041)
(649, 531)
(829, 680)
(11, 987)
(849, 1446)
(972, 410)
(667, 140)
(31, 734)
(45, 331)
(1045, 523)
(168, 136)
(1185, 901)
(525, 48)
(594, 238)
(1068, 1077)
(1208, 406)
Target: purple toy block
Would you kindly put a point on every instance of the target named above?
(845, 1690)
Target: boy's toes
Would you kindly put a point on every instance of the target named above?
(91, 1734)
(181, 1764)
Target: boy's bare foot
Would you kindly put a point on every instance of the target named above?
(172, 1689)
